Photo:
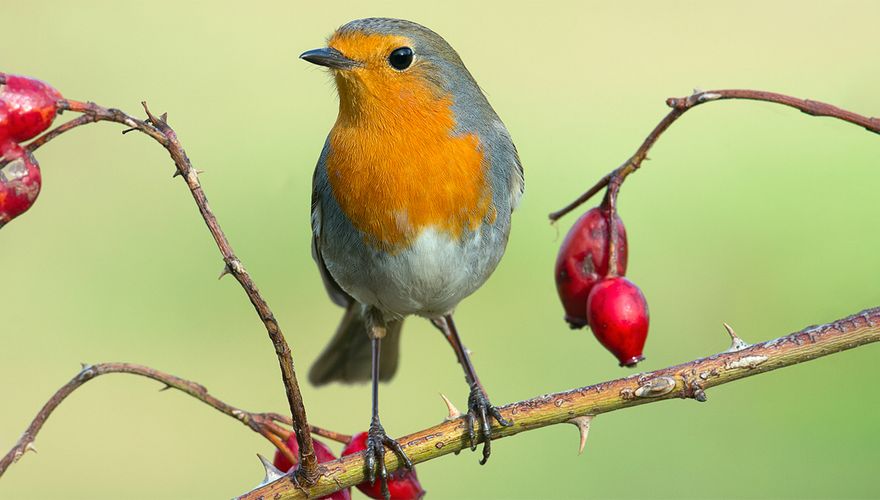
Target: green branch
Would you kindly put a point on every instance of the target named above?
(578, 406)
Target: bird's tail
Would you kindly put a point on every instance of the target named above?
(347, 358)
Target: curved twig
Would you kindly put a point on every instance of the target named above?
(264, 424)
(158, 129)
(680, 105)
(689, 380)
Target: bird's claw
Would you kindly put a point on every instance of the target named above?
(479, 408)
(377, 440)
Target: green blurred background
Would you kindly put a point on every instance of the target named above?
(748, 213)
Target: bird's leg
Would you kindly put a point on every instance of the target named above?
(479, 407)
(376, 437)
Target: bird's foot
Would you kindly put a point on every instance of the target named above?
(479, 408)
(377, 440)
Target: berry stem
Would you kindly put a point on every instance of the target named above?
(331, 435)
(609, 205)
(318, 431)
(281, 446)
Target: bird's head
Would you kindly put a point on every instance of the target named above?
(382, 64)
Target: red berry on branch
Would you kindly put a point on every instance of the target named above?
(618, 315)
(402, 484)
(30, 107)
(20, 181)
(583, 261)
(4, 123)
(322, 453)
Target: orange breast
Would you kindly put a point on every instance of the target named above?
(398, 169)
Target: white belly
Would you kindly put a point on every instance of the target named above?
(429, 278)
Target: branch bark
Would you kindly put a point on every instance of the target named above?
(689, 380)
(158, 129)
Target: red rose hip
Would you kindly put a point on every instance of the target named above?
(322, 453)
(4, 123)
(583, 261)
(402, 484)
(618, 315)
(28, 107)
(20, 181)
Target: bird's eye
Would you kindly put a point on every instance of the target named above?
(401, 58)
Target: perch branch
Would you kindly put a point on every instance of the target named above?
(680, 105)
(689, 380)
(265, 424)
(158, 129)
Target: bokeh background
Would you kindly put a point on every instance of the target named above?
(748, 213)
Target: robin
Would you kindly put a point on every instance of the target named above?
(411, 206)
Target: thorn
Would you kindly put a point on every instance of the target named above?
(453, 411)
(132, 129)
(730, 331)
(30, 447)
(84, 366)
(164, 117)
(272, 472)
(583, 425)
(198, 172)
(697, 90)
(736, 343)
(176, 174)
(224, 272)
(165, 388)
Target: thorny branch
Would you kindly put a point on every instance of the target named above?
(680, 105)
(265, 424)
(689, 380)
(577, 406)
(158, 129)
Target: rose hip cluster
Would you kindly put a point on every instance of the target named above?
(402, 484)
(592, 295)
(27, 108)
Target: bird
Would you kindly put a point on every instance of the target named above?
(411, 208)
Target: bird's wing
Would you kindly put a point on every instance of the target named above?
(506, 164)
(336, 293)
(517, 180)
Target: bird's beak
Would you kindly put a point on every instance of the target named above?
(328, 57)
